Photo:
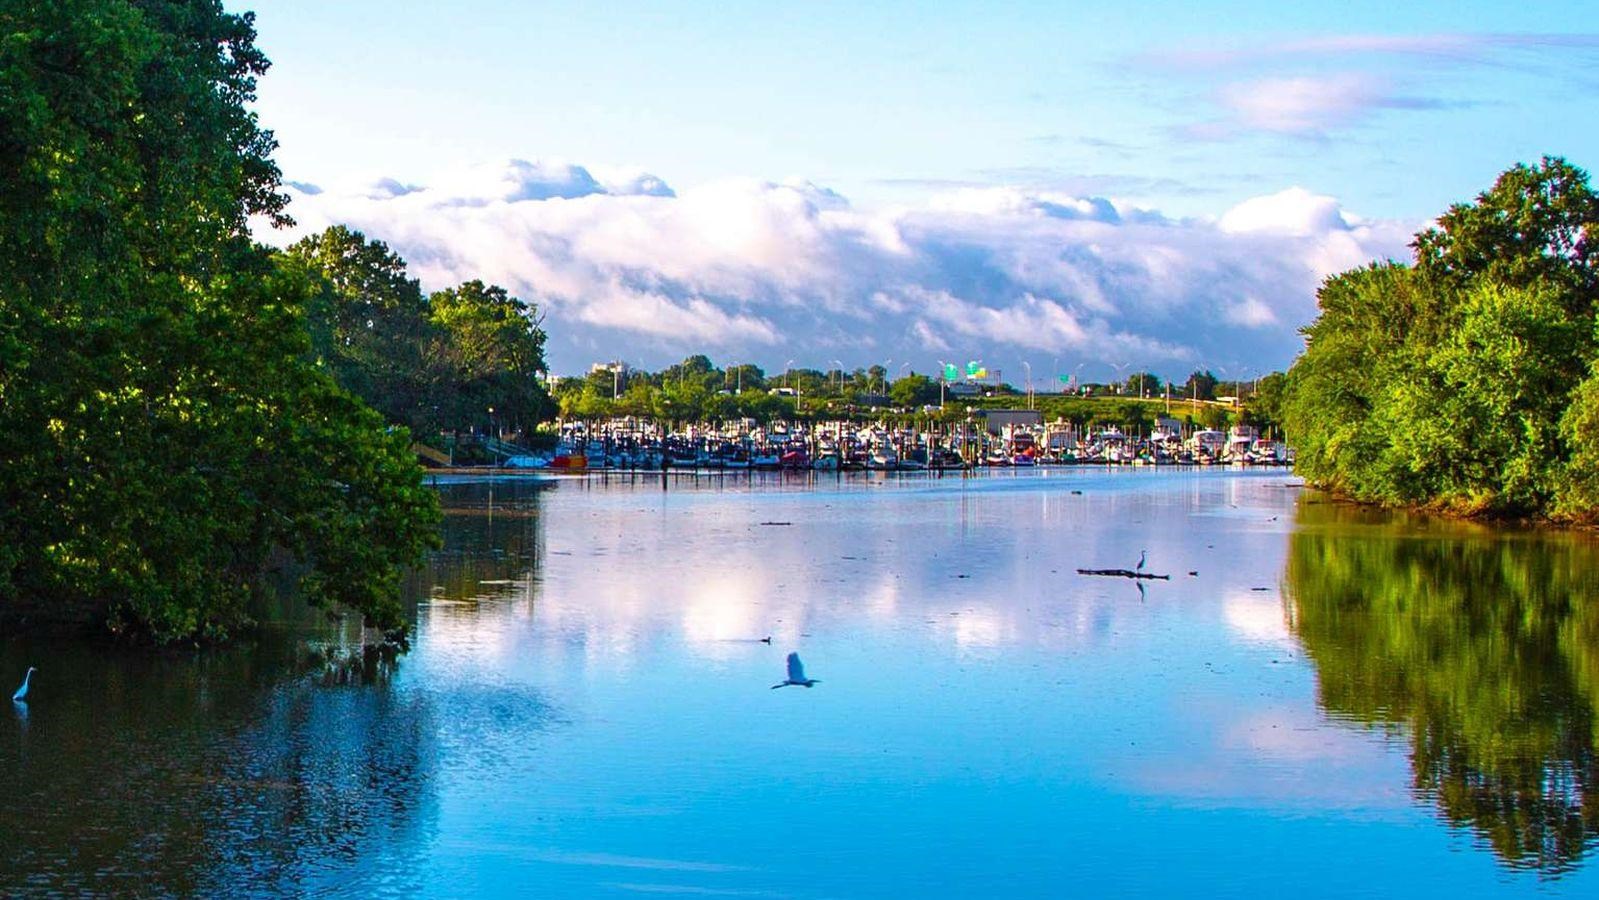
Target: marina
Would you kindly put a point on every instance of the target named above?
(1009, 439)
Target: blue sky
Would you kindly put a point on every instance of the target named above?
(942, 129)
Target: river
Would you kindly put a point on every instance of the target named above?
(1321, 700)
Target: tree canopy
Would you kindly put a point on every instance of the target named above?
(168, 436)
(431, 362)
(1465, 380)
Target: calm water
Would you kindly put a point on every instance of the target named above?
(1335, 704)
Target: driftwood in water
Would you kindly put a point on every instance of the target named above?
(1122, 573)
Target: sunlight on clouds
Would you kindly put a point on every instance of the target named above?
(617, 257)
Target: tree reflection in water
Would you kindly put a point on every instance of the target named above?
(1483, 646)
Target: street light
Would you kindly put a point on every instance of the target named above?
(1119, 370)
(787, 367)
(1029, 367)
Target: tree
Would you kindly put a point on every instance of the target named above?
(1200, 386)
(1143, 384)
(369, 323)
(1215, 418)
(1266, 403)
(1454, 382)
(1537, 225)
(493, 350)
(913, 391)
(167, 433)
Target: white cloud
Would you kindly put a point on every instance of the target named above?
(1303, 106)
(757, 270)
(1294, 211)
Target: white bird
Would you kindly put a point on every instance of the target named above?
(22, 692)
(796, 674)
(1143, 557)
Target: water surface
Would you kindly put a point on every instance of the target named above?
(1334, 703)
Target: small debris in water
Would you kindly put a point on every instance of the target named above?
(1260, 589)
(777, 523)
(1193, 573)
(1122, 573)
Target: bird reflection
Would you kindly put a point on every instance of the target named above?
(796, 674)
(27, 683)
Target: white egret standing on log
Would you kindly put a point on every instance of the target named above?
(796, 674)
(27, 681)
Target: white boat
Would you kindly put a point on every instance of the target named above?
(883, 459)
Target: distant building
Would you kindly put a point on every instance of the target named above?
(997, 420)
(616, 366)
(963, 389)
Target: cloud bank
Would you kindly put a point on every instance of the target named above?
(625, 266)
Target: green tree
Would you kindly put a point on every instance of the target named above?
(493, 349)
(913, 391)
(1451, 383)
(1537, 226)
(1143, 384)
(1266, 403)
(1200, 386)
(167, 434)
(369, 323)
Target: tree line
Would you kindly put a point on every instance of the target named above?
(697, 390)
(1465, 379)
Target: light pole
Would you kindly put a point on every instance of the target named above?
(787, 368)
(1119, 370)
(1029, 384)
(838, 365)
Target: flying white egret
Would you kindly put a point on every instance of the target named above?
(27, 680)
(1143, 557)
(796, 674)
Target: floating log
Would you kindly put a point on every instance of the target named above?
(1122, 573)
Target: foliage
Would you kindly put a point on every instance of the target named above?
(433, 363)
(1199, 386)
(167, 437)
(913, 391)
(1455, 382)
(1143, 384)
(1484, 649)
